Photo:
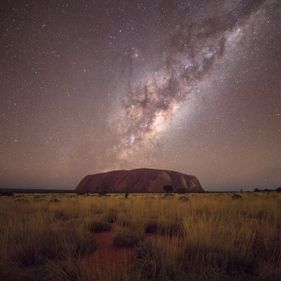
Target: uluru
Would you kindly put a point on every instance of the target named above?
(138, 181)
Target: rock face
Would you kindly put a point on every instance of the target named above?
(138, 181)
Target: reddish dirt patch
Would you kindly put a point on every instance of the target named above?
(109, 261)
(108, 258)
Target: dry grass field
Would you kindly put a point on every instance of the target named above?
(142, 237)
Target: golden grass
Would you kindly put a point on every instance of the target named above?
(193, 237)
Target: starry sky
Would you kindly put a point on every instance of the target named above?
(91, 86)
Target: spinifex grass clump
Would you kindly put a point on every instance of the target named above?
(164, 227)
(149, 261)
(111, 217)
(184, 198)
(66, 270)
(56, 243)
(236, 197)
(157, 260)
(98, 226)
(126, 240)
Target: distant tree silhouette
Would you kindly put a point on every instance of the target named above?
(126, 192)
(168, 188)
(6, 193)
(256, 190)
(278, 189)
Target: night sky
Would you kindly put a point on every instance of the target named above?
(90, 86)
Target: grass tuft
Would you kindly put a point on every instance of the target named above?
(126, 240)
(98, 227)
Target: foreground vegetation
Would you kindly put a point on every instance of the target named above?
(142, 237)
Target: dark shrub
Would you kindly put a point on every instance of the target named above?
(6, 193)
(126, 240)
(165, 228)
(28, 256)
(152, 266)
(84, 246)
(151, 227)
(67, 242)
(239, 265)
(61, 215)
(98, 227)
(62, 271)
(168, 195)
(171, 228)
(54, 200)
(148, 260)
(111, 217)
(184, 198)
(236, 197)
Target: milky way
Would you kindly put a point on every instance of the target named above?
(190, 53)
(89, 86)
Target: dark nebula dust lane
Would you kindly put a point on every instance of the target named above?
(91, 86)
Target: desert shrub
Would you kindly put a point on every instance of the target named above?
(28, 256)
(262, 214)
(61, 215)
(165, 228)
(84, 246)
(54, 200)
(111, 217)
(54, 244)
(148, 260)
(184, 198)
(174, 228)
(70, 243)
(151, 227)
(238, 264)
(66, 270)
(97, 227)
(7, 193)
(126, 240)
(236, 197)
(10, 271)
(153, 265)
(168, 196)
